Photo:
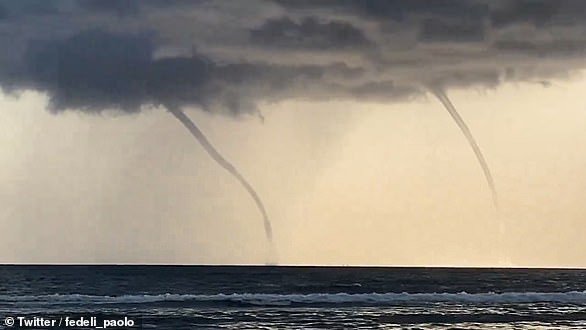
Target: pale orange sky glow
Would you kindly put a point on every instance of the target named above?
(329, 115)
(345, 182)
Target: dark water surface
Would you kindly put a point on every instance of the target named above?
(243, 297)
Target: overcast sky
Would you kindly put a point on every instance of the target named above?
(324, 108)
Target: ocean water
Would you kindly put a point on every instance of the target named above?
(210, 297)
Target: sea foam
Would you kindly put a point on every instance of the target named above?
(261, 299)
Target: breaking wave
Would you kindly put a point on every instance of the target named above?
(261, 299)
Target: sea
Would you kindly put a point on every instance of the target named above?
(274, 297)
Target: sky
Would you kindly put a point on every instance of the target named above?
(323, 107)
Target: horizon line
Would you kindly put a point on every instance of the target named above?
(301, 265)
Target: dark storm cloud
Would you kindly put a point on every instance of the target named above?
(91, 71)
(96, 70)
(383, 90)
(436, 30)
(308, 34)
(132, 7)
(126, 7)
(536, 12)
(3, 12)
(551, 48)
(95, 55)
(10, 8)
(398, 10)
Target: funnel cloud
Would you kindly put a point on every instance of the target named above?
(209, 148)
(443, 98)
